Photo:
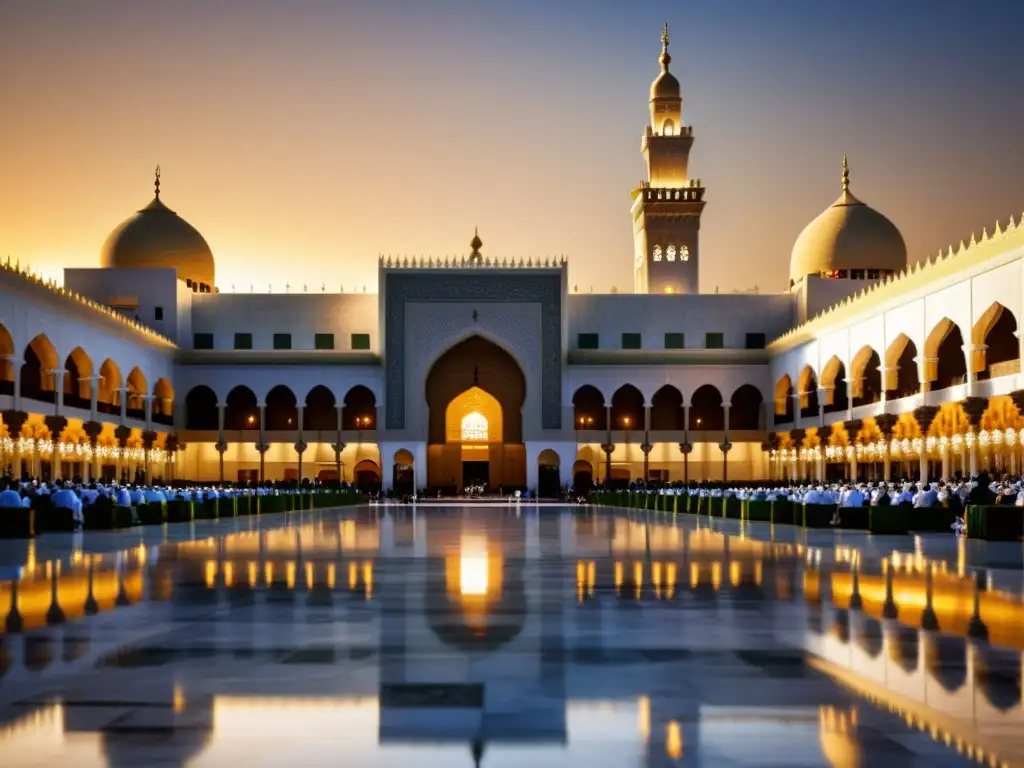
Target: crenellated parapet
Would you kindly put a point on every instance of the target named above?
(1002, 239)
(17, 272)
(464, 262)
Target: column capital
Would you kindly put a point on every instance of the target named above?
(56, 425)
(608, 448)
(339, 447)
(221, 446)
(262, 447)
(92, 430)
(148, 438)
(300, 447)
(686, 448)
(974, 407)
(925, 415)
(646, 448)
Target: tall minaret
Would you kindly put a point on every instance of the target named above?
(667, 207)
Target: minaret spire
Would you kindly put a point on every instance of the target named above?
(156, 182)
(846, 175)
(665, 58)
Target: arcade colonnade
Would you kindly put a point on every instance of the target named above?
(953, 407)
(72, 415)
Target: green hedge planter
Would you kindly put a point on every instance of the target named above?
(733, 508)
(888, 520)
(208, 509)
(758, 511)
(152, 512)
(50, 518)
(925, 519)
(818, 515)
(995, 523)
(854, 518)
(17, 523)
(104, 515)
(784, 511)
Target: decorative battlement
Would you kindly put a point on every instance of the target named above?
(464, 262)
(56, 289)
(913, 276)
(691, 194)
(684, 132)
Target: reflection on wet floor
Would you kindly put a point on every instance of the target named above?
(489, 635)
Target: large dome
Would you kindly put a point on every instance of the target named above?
(157, 237)
(846, 236)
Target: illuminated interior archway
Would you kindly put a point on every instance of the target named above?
(475, 416)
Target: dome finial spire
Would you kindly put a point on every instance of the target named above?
(664, 58)
(156, 182)
(846, 175)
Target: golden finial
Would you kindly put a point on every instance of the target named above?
(476, 242)
(156, 182)
(846, 175)
(664, 35)
(664, 58)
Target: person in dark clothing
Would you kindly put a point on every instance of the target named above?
(980, 493)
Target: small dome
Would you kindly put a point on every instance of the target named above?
(156, 237)
(665, 85)
(847, 235)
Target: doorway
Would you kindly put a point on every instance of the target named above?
(476, 473)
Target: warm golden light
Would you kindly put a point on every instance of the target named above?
(674, 740)
(473, 566)
(474, 426)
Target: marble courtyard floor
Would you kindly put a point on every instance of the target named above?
(508, 636)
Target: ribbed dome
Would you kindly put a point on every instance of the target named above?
(847, 235)
(157, 237)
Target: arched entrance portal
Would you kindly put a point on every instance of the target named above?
(548, 481)
(404, 478)
(475, 393)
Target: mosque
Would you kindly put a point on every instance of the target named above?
(488, 371)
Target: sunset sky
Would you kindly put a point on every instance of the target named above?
(304, 138)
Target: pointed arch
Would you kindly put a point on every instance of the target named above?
(945, 364)
(163, 401)
(39, 360)
(360, 408)
(833, 381)
(706, 412)
(6, 361)
(137, 390)
(77, 366)
(627, 408)
(807, 387)
(109, 385)
(281, 412)
(745, 412)
(201, 408)
(996, 347)
(321, 410)
(588, 409)
(866, 376)
(784, 400)
(667, 409)
(241, 409)
(901, 368)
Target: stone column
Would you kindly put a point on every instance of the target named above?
(222, 447)
(798, 436)
(171, 450)
(123, 392)
(92, 430)
(974, 407)
(56, 425)
(338, 448)
(262, 445)
(925, 415)
(852, 428)
(147, 405)
(608, 448)
(94, 395)
(299, 412)
(925, 365)
(822, 396)
(148, 440)
(646, 448)
(886, 422)
(725, 445)
(796, 410)
(15, 420)
(685, 448)
(121, 433)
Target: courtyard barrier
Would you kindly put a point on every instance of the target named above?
(993, 523)
(106, 515)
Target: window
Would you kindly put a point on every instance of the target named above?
(714, 341)
(675, 341)
(657, 253)
(323, 341)
(360, 341)
(670, 253)
(684, 253)
(631, 341)
(474, 426)
(158, 313)
(857, 274)
(282, 341)
(202, 341)
(586, 341)
(755, 341)
(243, 341)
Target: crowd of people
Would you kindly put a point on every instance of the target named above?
(78, 496)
